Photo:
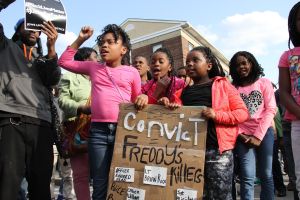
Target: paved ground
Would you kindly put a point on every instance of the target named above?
(290, 194)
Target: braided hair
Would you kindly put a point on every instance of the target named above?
(294, 35)
(256, 71)
(117, 32)
(216, 69)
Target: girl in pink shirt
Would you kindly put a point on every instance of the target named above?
(289, 84)
(113, 82)
(256, 137)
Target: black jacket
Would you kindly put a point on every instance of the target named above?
(24, 85)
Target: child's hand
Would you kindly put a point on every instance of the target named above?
(253, 141)
(141, 101)
(162, 85)
(84, 109)
(243, 137)
(85, 33)
(163, 101)
(174, 106)
(209, 113)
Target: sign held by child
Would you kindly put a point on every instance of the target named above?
(165, 147)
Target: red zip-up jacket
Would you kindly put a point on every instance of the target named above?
(230, 111)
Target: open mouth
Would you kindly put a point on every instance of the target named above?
(103, 52)
(243, 72)
(156, 71)
(138, 68)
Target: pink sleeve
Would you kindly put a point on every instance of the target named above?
(269, 111)
(284, 61)
(67, 62)
(136, 87)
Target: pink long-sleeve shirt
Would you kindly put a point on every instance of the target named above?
(105, 95)
(260, 100)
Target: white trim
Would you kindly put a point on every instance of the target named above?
(152, 21)
(156, 34)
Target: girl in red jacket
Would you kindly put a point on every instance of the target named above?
(225, 109)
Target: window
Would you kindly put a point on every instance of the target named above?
(155, 47)
(191, 46)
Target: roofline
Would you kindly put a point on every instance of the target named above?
(152, 20)
(156, 34)
(196, 34)
(183, 25)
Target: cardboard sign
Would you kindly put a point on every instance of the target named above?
(124, 174)
(166, 148)
(36, 12)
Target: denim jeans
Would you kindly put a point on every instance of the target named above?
(296, 149)
(264, 156)
(100, 149)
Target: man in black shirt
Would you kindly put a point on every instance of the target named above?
(26, 136)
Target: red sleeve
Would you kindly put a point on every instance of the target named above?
(237, 112)
(176, 97)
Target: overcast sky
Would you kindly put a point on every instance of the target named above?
(258, 26)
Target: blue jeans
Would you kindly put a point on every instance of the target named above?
(100, 149)
(264, 156)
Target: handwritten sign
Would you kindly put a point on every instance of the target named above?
(135, 194)
(165, 147)
(155, 175)
(36, 12)
(124, 174)
(186, 194)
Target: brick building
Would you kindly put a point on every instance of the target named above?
(179, 36)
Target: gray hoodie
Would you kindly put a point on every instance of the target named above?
(24, 85)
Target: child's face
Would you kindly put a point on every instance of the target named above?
(243, 66)
(141, 64)
(197, 65)
(93, 57)
(160, 65)
(112, 51)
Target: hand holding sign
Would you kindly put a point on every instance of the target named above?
(49, 29)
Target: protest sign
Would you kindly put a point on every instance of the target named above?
(166, 149)
(36, 12)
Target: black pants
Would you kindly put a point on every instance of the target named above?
(25, 151)
(277, 174)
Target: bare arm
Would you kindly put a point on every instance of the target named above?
(285, 92)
